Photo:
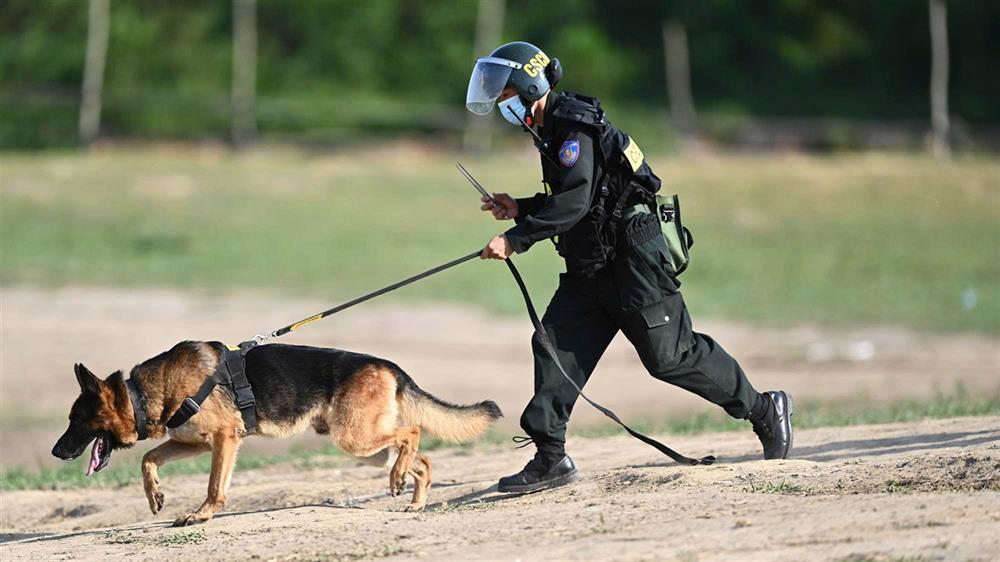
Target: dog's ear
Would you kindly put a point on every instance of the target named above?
(115, 377)
(89, 383)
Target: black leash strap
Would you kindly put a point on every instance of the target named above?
(231, 370)
(372, 295)
(543, 338)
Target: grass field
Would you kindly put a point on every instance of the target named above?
(891, 239)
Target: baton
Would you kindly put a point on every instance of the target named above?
(474, 182)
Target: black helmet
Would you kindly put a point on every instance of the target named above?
(521, 65)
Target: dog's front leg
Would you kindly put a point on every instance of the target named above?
(157, 457)
(224, 447)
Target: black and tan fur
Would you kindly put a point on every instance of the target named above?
(367, 406)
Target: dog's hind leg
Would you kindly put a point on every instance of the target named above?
(421, 473)
(364, 421)
(407, 439)
(155, 458)
(225, 444)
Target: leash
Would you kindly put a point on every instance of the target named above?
(546, 342)
(540, 333)
(231, 370)
(543, 338)
(261, 338)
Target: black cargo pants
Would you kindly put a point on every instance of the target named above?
(637, 294)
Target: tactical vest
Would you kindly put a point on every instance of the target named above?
(622, 178)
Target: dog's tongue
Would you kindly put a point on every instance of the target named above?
(95, 456)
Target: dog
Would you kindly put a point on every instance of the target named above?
(366, 405)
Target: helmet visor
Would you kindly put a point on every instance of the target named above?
(488, 79)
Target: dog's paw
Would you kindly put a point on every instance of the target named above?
(396, 485)
(191, 519)
(155, 501)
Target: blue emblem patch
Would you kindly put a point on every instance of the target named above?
(569, 153)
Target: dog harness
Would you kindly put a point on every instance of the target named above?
(230, 372)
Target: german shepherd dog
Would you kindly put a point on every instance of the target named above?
(365, 404)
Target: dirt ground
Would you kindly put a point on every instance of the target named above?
(460, 354)
(929, 490)
(918, 491)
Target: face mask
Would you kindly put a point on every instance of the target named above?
(514, 104)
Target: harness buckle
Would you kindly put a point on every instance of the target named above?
(189, 407)
(244, 397)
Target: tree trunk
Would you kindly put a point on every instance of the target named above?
(93, 70)
(675, 49)
(244, 92)
(489, 28)
(939, 78)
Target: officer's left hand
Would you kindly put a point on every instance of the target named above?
(499, 248)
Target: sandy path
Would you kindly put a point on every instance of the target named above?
(457, 353)
(929, 490)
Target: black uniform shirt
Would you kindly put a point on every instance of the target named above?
(570, 175)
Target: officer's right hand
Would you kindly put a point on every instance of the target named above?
(504, 209)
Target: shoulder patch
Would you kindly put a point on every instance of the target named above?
(569, 153)
(634, 155)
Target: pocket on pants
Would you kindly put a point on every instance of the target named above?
(643, 275)
(666, 329)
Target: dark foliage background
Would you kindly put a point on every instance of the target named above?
(330, 68)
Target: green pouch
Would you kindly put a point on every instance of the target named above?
(678, 237)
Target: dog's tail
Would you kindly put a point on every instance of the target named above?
(448, 421)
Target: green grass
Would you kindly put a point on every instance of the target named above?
(769, 487)
(183, 538)
(71, 474)
(894, 239)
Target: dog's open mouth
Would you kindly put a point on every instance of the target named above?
(100, 455)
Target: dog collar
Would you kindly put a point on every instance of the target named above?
(138, 407)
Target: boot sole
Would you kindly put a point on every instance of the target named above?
(788, 421)
(556, 482)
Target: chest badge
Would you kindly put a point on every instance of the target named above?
(569, 153)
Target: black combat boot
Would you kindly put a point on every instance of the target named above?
(772, 422)
(541, 473)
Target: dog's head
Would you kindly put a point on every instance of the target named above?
(97, 415)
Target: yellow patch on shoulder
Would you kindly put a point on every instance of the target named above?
(634, 155)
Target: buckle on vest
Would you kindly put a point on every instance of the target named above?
(244, 397)
(188, 409)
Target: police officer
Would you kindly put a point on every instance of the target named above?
(598, 187)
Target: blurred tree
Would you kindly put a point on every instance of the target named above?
(489, 28)
(244, 92)
(939, 76)
(678, 69)
(93, 70)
